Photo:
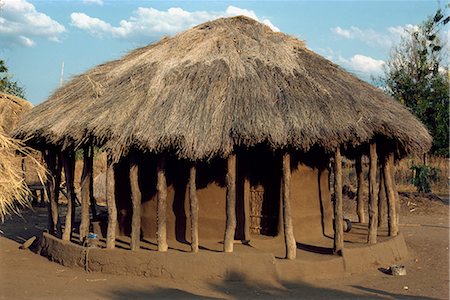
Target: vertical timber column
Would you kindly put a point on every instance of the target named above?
(338, 245)
(382, 200)
(373, 196)
(68, 159)
(50, 158)
(111, 202)
(359, 196)
(193, 204)
(86, 190)
(390, 193)
(289, 239)
(231, 204)
(161, 187)
(136, 199)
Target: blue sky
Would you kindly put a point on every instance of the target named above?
(37, 36)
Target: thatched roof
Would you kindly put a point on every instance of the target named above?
(12, 110)
(222, 84)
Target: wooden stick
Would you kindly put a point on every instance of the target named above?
(193, 201)
(394, 185)
(136, 201)
(382, 201)
(289, 239)
(111, 202)
(390, 192)
(161, 213)
(338, 245)
(68, 159)
(91, 182)
(86, 190)
(53, 181)
(373, 197)
(231, 204)
(359, 196)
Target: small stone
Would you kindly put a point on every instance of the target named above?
(396, 270)
(406, 288)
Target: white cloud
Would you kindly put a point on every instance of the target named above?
(21, 23)
(362, 64)
(99, 2)
(149, 22)
(372, 37)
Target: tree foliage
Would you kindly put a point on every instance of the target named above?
(417, 75)
(7, 85)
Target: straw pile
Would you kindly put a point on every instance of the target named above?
(221, 85)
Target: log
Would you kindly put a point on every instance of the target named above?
(86, 191)
(390, 192)
(136, 199)
(382, 201)
(394, 185)
(193, 204)
(373, 196)
(53, 162)
(338, 244)
(68, 159)
(111, 202)
(161, 187)
(230, 204)
(289, 239)
(360, 195)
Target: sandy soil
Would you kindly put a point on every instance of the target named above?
(25, 275)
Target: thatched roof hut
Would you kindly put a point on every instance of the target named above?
(243, 118)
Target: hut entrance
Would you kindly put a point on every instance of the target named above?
(259, 173)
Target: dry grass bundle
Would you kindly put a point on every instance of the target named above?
(221, 85)
(14, 192)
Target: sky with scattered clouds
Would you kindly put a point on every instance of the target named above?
(36, 37)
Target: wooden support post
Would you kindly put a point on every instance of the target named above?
(161, 187)
(382, 200)
(193, 204)
(289, 239)
(68, 159)
(111, 202)
(86, 190)
(390, 192)
(338, 245)
(373, 196)
(231, 204)
(53, 160)
(136, 202)
(359, 196)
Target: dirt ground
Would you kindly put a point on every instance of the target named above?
(424, 223)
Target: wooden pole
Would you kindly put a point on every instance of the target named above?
(68, 159)
(136, 201)
(231, 204)
(373, 196)
(111, 202)
(390, 192)
(289, 239)
(86, 191)
(382, 201)
(53, 181)
(359, 196)
(193, 203)
(161, 187)
(338, 245)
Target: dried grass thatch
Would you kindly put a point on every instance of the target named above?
(12, 110)
(220, 85)
(14, 192)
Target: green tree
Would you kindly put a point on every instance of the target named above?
(417, 75)
(7, 85)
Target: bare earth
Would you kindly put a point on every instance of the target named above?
(25, 275)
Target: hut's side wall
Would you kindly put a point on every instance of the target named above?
(310, 196)
(310, 199)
